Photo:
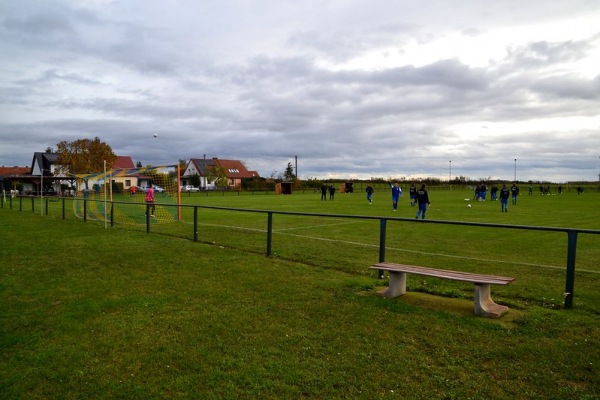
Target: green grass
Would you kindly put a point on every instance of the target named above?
(92, 313)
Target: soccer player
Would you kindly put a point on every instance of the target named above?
(324, 192)
(422, 198)
(396, 193)
(504, 193)
(412, 192)
(514, 190)
(150, 199)
(369, 191)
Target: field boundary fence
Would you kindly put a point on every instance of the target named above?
(41, 205)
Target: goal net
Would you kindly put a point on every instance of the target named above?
(125, 190)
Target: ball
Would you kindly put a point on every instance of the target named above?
(468, 206)
(155, 135)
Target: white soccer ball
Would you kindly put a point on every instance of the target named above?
(468, 206)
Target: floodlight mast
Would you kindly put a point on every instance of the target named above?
(42, 193)
(42, 190)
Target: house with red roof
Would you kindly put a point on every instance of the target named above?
(235, 171)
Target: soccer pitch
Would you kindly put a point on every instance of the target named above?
(98, 313)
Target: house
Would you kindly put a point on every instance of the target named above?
(125, 176)
(235, 171)
(43, 175)
(10, 178)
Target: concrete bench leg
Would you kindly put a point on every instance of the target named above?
(484, 305)
(397, 285)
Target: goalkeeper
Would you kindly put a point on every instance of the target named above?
(150, 200)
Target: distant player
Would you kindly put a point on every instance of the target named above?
(412, 192)
(422, 198)
(504, 193)
(514, 190)
(370, 192)
(396, 193)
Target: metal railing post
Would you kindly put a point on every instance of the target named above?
(570, 283)
(112, 214)
(382, 234)
(195, 224)
(269, 232)
(147, 218)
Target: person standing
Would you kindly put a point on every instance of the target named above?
(370, 192)
(331, 192)
(494, 192)
(150, 200)
(396, 193)
(422, 199)
(324, 192)
(132, 191)
(514, 190)
(504, 193)
(412, 192)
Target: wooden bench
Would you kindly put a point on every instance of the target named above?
(484, 305)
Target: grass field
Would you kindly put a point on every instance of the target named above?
(92, 313)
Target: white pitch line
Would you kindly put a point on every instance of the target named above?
(401, 249)
(440, 254)
(315, 226)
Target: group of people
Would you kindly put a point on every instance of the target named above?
(505, 193)
(325, 189)
(481, 192)
(418, 197)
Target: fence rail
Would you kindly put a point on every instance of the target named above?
(572, 233)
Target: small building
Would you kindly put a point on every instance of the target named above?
(284, 188)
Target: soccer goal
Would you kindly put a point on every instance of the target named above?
(126, 190)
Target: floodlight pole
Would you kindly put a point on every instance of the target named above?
(42, 193)
(515, 170)
(42, 190)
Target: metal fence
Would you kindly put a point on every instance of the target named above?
(41, 205)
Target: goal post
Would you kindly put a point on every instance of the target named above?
(130, 186)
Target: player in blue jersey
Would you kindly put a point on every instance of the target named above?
(396, 193)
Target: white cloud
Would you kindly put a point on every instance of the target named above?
(355, 89)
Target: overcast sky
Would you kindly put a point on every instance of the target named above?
(353, 88)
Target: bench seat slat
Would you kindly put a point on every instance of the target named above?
(442, 273)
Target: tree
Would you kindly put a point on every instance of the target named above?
(195, 180)
(84, 156)
(288, 174)
(218, 175)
